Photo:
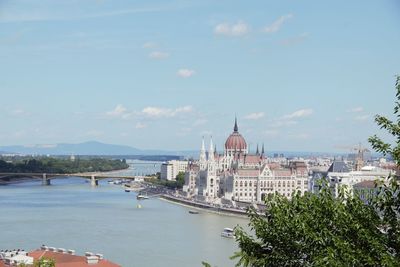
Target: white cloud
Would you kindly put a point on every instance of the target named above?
(361, 118)
(238, 29)
(18, 112)
(255, 116)
(356, 110)
(185, 73)
(140, 125)
(277, 24)
(158, 55)
(119, 112)
(149, 45)
(294, 40)
(157, 112)
(301, 113)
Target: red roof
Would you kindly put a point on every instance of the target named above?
(2, 264)
(236, 141)
(68, 260)
(252, 159)
(243, 172)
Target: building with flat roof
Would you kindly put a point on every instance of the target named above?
(172, 168)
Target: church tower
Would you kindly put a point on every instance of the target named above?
(203, 158)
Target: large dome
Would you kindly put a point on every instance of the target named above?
(235, 141)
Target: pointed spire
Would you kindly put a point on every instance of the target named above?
(202, 152)
(257, 152)
(211, 150)
(262, 150)
(215, 149)
(235, 128)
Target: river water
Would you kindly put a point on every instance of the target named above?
(73, 215)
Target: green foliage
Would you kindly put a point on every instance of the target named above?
(323, 230)
(178, 184)
(44, 262)
(61, 165)
(315, 230)
(391, 127)
(180, 179)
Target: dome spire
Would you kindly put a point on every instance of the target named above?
(235, 128)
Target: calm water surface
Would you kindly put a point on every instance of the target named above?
(72, 215)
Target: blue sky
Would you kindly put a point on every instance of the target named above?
(300, 75)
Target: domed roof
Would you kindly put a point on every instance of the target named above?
(235, 141)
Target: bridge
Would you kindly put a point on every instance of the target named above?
(93, 177)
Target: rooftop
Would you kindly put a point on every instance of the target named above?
(68, 260)
(338, 166)
(365, 184)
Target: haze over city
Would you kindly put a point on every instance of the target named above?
(162, 74)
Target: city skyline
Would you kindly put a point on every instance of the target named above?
(162, 75)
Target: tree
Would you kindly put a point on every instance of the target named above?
(180, 179)
(321, 230)
(44, 262)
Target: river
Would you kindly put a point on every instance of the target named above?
(73, 215)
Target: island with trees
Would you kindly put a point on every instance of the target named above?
(63, 165)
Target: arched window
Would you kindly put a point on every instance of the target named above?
(250, 184)
(245, 183)
(236, 183)
(241, 183)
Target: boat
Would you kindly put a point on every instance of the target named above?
(228, 233)
(193, 212)
(140, 197)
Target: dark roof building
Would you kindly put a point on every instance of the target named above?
(338, 166)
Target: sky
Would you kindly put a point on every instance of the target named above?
(299, 75)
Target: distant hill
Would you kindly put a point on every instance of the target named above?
(86, 148)
(89, 148)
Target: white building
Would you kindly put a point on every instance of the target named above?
(172, 168)
(237, 175)
(15, 257)
(339, 174)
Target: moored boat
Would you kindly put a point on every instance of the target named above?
(193, 212)
(228, 233)
(140, 197)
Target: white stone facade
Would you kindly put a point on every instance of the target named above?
(172, 168)
(237, 175)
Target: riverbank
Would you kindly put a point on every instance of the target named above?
(204, 206)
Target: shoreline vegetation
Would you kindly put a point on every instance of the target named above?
(60, 165)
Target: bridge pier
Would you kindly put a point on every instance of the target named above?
(94, 181)
(45, 181)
